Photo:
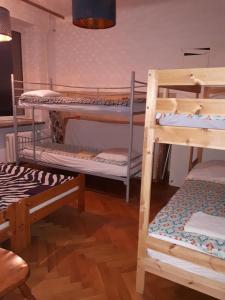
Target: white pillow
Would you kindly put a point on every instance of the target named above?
(117, 154)
(41, 93)
(213, 171)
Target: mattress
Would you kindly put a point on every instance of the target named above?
(99, 103)
(19, 182)
(86, 98)
(186, 266)
(193, 196)
(184, 120)
(83, 161)
(88, 108)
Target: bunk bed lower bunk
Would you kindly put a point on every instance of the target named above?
(171, 246)
(201, 197)
(28, 195)
(94, 101)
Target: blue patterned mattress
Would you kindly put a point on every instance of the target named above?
(193, 196)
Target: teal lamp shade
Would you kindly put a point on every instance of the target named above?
(94, 14)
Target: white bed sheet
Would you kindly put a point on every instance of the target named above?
(186, 266)
(188, 121)
(88, 108)
(83, 165)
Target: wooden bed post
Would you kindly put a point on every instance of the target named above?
(21, 233)
(81, 197)
(148, 151)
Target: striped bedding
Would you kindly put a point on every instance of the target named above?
(21, 182)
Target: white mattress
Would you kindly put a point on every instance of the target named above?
(88, 108)
(183, 120)
(186, 266)
(83, 165)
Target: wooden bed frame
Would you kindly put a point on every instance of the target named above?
(20, 215)
(196, 137)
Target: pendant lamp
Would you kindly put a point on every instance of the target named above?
(94, 14)
(5, 26)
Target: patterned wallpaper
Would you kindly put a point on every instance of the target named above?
(150, 35)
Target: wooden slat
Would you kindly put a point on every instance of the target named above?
(3, 232)
(47, 210)
(197, 137)
(4, 235)
(147, 164)
(204, 76)
(53, 192)
(81, 199)
(2, 217)
(191, 106)
(188, 279)
(112, 119)
(22, 227)
(192, 89)
(202, 259)
(209, 91)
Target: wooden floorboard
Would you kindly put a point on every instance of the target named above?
(92, 256)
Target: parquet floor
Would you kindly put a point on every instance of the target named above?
(92, 256)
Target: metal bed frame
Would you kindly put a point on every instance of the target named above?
(136, 88)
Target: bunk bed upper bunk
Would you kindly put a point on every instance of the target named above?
(91, 100)
(166, 248)
(102, 103)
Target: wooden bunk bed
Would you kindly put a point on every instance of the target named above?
(214, 79)
(106, 107)
(40, 199)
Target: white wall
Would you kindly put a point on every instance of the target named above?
(148, 34)
(34, 27)
(179, 162)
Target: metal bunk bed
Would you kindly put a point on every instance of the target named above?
(136, 89)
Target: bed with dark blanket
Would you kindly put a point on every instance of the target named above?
(20, 182)
(28, 195)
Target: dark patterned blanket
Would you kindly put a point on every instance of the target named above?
(20, 182)
(98, 99)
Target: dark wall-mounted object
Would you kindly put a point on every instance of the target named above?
(5, 25)
(200, 51)
(10, 62)
(94, 14)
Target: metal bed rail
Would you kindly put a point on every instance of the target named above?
(136, 88)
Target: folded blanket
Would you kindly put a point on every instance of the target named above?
(208, 225)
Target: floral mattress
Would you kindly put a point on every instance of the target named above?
(193, 196)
